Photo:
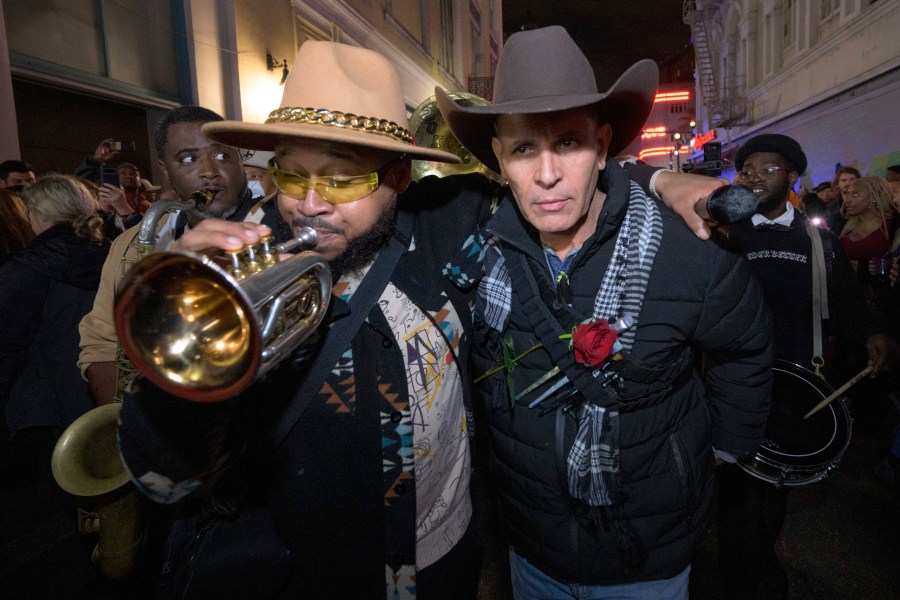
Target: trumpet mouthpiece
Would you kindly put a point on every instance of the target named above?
(306, 239)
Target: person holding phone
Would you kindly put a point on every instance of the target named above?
(116, 200)
(120, 184)
(104, 154)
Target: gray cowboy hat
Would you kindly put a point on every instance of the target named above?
(542, 70)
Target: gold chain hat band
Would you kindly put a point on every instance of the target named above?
(335, 118)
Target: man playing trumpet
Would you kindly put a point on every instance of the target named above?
(352, 481)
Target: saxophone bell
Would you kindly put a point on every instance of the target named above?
(86, 464)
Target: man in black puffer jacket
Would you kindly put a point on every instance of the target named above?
(604, 467)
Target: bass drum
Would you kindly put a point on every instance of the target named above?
(798, 451)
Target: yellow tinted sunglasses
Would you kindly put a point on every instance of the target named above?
(334, 190)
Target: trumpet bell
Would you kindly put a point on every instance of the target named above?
(184, 318)
(204, 333)
(85, 461)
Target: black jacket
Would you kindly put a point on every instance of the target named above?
(782, 263)
(700, 300)
(44, 293)
(307, 517)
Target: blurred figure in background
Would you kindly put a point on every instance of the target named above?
(16, 175)
(867, 234)
(815, 209)
(44, 293)
(843, 177)
(893, 173)
(256, 168)
(15, 230)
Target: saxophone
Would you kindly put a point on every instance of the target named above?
(86, 463)
(144, 244)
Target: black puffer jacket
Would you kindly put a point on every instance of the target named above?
(700, 300)
(44, 293)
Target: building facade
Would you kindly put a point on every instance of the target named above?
(826, 72)
(75, 72)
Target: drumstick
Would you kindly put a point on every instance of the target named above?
(839, 391)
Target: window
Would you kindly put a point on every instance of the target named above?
(790, 9)
(828, 8)
(447, 58)
(138, 43)
(410, 14)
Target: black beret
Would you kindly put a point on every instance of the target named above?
(786, 146)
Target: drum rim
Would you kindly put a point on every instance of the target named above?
(764, 465)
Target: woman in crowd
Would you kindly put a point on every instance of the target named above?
(44, 293)
(867, 234)
(15, 230)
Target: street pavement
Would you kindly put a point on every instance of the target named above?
(841, 539)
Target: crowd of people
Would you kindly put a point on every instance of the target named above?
(615, 363)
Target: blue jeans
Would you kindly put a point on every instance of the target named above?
(530, 583)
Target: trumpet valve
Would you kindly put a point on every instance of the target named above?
(252, 259)
(267, 253)
(237, 267)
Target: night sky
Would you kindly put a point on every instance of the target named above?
(612, 33)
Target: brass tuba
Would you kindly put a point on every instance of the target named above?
(428, 126)
(86, 463)
(204, 331)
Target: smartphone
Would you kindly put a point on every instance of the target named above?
(116, 146)
(109, 175)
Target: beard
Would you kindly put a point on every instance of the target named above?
(769, 204)
(361, 250)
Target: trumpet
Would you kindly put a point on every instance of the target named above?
(204, 331)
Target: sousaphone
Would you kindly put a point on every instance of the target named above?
(430, 130)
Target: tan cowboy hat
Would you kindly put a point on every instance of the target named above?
(542, 70)
(337, 93)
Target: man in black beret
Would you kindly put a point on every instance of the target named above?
(778, 244)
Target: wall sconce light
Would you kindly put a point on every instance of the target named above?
(271, 65)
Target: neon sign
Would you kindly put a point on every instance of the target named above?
(657, 151)
(673, 96)
(704, 138)
(653, 132)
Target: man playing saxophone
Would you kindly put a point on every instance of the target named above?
(190, 162)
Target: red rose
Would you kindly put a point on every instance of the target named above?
(593, 342)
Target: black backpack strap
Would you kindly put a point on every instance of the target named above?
(341, 334)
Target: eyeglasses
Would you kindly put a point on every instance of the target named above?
(334, 190)
(765, 173)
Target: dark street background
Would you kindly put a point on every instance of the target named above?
(840, 540)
